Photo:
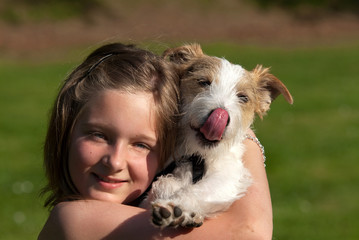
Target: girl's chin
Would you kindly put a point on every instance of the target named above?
(108, 197)
(127, 198)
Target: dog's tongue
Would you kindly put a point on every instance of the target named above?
(215, 124)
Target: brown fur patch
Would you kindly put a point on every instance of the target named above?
(247, 87)
(197, 70)
(184, 53)
(196, 74)
(268, 88)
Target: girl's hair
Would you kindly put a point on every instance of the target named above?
(113, 66)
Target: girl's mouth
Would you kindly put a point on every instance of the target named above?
(108, 182)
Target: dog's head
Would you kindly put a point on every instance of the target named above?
(219, 99)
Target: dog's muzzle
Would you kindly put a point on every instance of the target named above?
(214, 126)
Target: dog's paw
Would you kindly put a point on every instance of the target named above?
(164, 215)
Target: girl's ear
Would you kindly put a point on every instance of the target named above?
(269, 88)
(183, 54)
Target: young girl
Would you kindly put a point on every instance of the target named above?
(111, 130)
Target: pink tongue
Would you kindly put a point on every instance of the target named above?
(215, 124)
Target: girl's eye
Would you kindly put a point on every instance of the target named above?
(143, 146)
(98, 136)
(243, 98)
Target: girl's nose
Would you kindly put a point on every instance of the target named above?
(116, 160)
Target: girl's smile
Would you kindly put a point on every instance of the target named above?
(114, 151)
(108, 182)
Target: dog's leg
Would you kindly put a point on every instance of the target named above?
(191, 204)
(163, 189)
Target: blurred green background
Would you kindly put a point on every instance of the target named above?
(312, 46)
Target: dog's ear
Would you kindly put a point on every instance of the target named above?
(184, 53)
(269, 88)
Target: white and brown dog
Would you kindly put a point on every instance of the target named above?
(218, 102)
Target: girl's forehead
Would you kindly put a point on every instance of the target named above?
(108, 96)
(116, 106)
(117, 97)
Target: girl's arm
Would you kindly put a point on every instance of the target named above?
(248, 218)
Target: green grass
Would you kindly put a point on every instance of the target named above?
(25, 97)
(311, 146)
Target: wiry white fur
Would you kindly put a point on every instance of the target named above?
(221, 94)
(225, 179)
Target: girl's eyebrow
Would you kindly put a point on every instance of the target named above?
(147, 138)
(93, 124)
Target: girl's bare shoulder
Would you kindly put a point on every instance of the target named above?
(86, 219)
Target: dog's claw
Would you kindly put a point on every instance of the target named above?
(196, 221)
(177, 222)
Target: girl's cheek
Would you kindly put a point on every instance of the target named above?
(143, 168)
(81, 153)
(152, 166)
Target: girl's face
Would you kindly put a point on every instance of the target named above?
(114, 149)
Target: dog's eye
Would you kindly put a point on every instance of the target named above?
(242, 97)
(204, 82)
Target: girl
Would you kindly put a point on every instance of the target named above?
(111, 130)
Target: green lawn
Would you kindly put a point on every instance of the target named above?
(311, 146)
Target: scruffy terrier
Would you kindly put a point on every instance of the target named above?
(218, 102)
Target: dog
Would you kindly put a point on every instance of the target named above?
(219, 101)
